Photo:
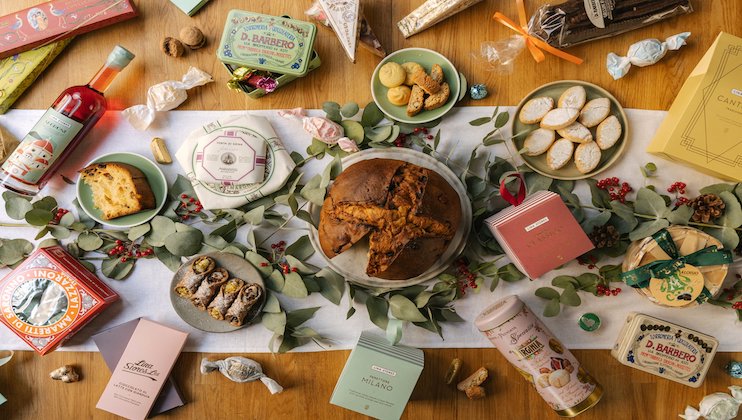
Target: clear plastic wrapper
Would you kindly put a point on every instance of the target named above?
(499, 56)
(643, 53)
(717, 406)
(241, 369)
(576, 21)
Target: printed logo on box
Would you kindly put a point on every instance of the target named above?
(383, 370)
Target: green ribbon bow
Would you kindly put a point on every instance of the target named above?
(665, 269)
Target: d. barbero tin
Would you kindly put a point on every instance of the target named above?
(665, 349)
(539, 356)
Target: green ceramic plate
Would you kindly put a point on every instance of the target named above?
(156, 180)
(425, 58)
(570, 172)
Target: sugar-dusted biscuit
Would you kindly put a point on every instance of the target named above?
(538, 141)
(587, 156)
(559, 154)
(595, 112)
(608, 133)
(576, 132)
(573, 97)
(535, 109)
(559, 118)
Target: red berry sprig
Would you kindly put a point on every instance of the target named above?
(617, 190)
(604, 290)
(278, 258)
(129, 251)
(422, 132)
(588, 260)
(58, 215)
(737, 305)
(465, 278)
(679, 189)
(188, 207)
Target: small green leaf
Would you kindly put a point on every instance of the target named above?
(648, 229)
(301, 249)
(510, 273)
(349, 110)
(59, 232)
(350, 313)
(480, 121)
(184, 243)
(16, 207)
(67, 220)
(330, 107)
(254, 216)
(680, 216)
(502, 119)
(67, 180)
(294, 286)
(564, 282)
(115, 269)
(300, 316)
(13, 251)
(378, 133)
(599, 220)
(717, 188)
(137, 232)
(46, 203)
(260, 263)
(611, 272)
(552, 308)
(38, 217)
(570, 297)
(403, 309)
(275, 322)
(372, 115)
(547, 293)
(161, 229)
(275, 281)
(628, 220)
(228, 232)
(378, 310)
(353, 130)
(272, 305)
(332, 285)
(732, 216)
(650, 203)
(169, 260)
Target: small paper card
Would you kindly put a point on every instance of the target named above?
(142, 370)
(540, 234)
(378, 378)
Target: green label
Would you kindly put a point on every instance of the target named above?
(41, 146)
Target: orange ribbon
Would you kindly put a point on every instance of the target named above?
(534, 44)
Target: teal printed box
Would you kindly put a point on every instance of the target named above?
(378, 378)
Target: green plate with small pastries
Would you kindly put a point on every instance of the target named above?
(569, 171)
(426, 58)
(155, 178)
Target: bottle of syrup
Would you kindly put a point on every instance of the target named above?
(60, 129)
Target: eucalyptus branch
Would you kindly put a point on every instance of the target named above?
(282, 226)
(650, 217)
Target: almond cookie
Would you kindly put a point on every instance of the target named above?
(392, 75)
(559, 118)
(399, 95)
(426, 82)
(608, 133)
(410, 69)
(587, 156)
(573, 97)
(595, 112)
(417, 97)
(436, 72)
(538, 141)
(436, 101)
(560, 153)
(535, 109)
(576, 132)
(475, 379)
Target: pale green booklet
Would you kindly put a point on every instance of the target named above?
(189, 7)
(378, 378)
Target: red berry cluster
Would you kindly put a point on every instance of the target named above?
(278, 249)
(466, 278)
(607, 291)
(129, 251)
(737, 305)
(679, 189)
(58, 215)
(617, 190)
(587, 259)
(401, 140)
(188, 207)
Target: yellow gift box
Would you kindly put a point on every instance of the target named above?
(19, 71)
(704, 126)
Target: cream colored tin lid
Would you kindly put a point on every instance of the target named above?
(498, 313)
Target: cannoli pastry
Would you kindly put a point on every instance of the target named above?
(199, 269)
(208, 288)
(223, 300)
(246, 305)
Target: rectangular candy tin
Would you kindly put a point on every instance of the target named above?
(264, 42)
(49, 297)
(665, 349)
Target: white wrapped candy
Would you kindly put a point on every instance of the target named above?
(240, 369)
(717, 406)
(643, 53)
(164, 97)
(321, 128)
(65, 374)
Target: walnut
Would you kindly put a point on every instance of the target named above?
(172, 47)
(192, 37)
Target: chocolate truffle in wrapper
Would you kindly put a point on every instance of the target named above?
(240, 369)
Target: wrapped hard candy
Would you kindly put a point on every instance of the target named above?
(717, 406)
(734, 369)
(240, 369)
(321, 128)
(478, 91)
(65, 374)
(643, 53)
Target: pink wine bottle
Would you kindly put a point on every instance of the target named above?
(60, 129)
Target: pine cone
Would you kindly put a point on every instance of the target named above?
(605, 236)
(706, 207)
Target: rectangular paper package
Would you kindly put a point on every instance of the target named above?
(704, 126)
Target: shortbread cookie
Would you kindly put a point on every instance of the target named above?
(436, 72)
(576, 132)
(608, 133)
(559, 118)
(399, 95)
(595, 112)
(417, 97)
(535, 109)
(573, 97)
(560, 153)
(410, 69)
(426, 82)
(587, 156)
(437, 100)
(538, 141)
(392, 74)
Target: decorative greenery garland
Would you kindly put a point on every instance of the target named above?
(171, 236)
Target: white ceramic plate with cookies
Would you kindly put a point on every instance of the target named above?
(394, 85)
(570, 129)
(351, 264)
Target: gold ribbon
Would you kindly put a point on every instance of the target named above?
(534, 44)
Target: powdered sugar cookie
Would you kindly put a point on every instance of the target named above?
(595, 112)
(576, 132)
(587, 156)
(608, 133)
(559, 118)
(560, 153)
(535, 109)
(538, 141)
(573, 97)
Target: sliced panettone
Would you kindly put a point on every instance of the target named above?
(118, 189)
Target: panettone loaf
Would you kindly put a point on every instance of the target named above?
(118, 189)
(410, 214)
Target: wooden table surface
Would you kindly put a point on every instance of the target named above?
(309, 378)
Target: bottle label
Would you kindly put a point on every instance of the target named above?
(599, 10)
(41, 146)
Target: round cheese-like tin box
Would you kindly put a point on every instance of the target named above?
(539, 356)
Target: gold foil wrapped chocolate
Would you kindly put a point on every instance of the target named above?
(160, 152)
(240, 369)
(430, 13)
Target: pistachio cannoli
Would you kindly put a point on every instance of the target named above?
(223, 300)
(196, 273)
(208, 288)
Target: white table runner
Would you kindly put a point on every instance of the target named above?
(146, 292)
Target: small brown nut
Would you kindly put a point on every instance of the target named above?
(475, 393)
(192, 37)
(172, 47)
